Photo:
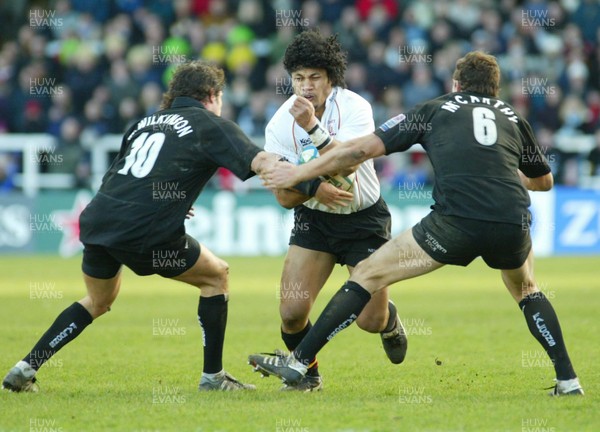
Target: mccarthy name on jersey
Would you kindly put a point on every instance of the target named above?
(462, 99)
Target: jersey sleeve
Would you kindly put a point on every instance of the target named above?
(274, 144)
(228, 147)
(533, 162)
(402, 131)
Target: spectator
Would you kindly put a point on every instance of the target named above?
(61, 108)
(119, 83)
(594, 156)
(83, 76)
(254, 117)
(69, 156)
(549, 114)
(8, 169)
(128, 113)
(420, 87)
(99, 61)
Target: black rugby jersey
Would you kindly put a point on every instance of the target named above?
(165, 161)
(476, 144)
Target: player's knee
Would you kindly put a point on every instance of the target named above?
(97, 307)
(364, 274)
(527, 288)
(222, 273)
(293, 318)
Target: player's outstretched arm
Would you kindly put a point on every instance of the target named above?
(263, 161)
(541, 183)
(290, 198)
(353, 152)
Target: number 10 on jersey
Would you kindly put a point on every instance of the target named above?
(143, 154)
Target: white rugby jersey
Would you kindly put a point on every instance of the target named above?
(347, 115)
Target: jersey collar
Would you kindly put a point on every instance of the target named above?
(184, 101)
(329, 100)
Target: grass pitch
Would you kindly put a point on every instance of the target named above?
(472, 365)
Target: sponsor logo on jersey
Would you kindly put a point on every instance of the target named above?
(331, 127)
(392, 122)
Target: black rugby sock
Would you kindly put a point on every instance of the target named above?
(544, 326)
(341, 311)
(292, 340)
(67, 326)
(212, 316)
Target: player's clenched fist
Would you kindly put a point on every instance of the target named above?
(304, 112)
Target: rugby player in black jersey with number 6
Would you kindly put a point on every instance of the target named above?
(481, 151)
(137, 218)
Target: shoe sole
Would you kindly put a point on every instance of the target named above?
(28, 388)
(257, 368)
(308, 390)
(404, 344)
(576, 392)
(266, 373)
(209, 389)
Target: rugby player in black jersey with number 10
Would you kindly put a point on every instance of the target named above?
(484, 157)
(137, 218)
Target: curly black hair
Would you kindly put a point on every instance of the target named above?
(310, 49)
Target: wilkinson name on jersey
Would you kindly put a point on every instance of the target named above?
(175, 121)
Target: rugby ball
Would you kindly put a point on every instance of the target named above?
(345, 183)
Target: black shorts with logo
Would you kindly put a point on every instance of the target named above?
(167, 260)
(456, 240)
(351, 238)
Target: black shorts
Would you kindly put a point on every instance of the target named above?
(351, 238)
(458, 241)
(167, 260)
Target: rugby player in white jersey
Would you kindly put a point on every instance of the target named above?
(330, 225)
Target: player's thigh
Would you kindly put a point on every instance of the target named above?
(102, 278)
(399, 259)
(209, 273)
(520, 282)
(305, 271)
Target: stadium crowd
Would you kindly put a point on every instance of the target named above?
(80, 69)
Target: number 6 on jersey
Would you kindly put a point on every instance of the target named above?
(484, 127)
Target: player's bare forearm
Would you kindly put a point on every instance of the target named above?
(289, 198)
(542, 183)
(335, 143)
(342, 157)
